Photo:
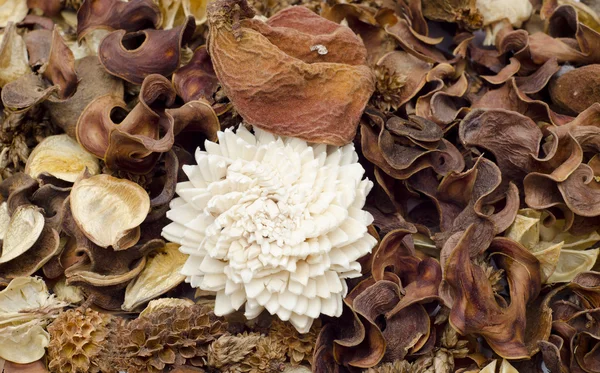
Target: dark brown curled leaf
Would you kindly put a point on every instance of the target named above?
(94, 82)
(538, 80)
(117, 15)
(423, 289)
(195, 117)
(403, 33)
(510, 97)
(567, 39)
(134, 56)
(135, 144)
(60, 69)
(400, 76)
(17, 190)
(95, 124)
(159, 203)
(515, 151)
(405, 330)
(475, 308)
(581, 192)
(401, 156)
(196, 80)
(359, 343)
(505, 74)
(51, 199)
(322, 358)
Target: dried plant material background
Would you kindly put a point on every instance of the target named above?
(263, 186)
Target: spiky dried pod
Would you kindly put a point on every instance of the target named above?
(77, 337)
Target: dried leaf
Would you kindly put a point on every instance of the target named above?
(61, 157)
(12, 11)
(24, 229)
(24, 343)
(108, 210)
(327, 90)
(13, 52)
(161, 274)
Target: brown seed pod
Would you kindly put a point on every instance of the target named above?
(116, 15)
(310, 79)
(577, 89)
(133, 56)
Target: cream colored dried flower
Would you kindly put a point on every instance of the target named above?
(275, 223)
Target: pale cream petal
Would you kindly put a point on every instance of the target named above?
(571, 263)
(160, 274)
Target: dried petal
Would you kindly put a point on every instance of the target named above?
(327, 97)
(13, 53)
(24, 343)
(573, 262)
(108, 209)
(12, 11)
(24, 228)
(161, 274)
(61, 157)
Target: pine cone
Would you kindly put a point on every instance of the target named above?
(229, 350)
(76, 340)
(269, 356)
(170, 335)
(299, 346)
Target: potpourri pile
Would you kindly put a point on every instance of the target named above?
(377, 186)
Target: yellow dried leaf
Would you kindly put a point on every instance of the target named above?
(109, 210)
(526, 228)
(548, 255)
(161, 274)
(62, 157)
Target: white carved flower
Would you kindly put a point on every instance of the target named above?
(272, 222)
